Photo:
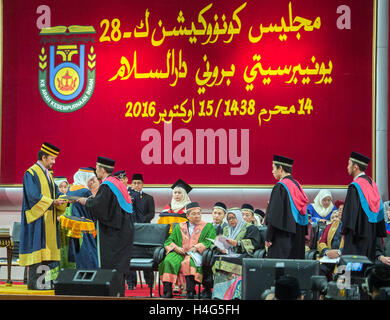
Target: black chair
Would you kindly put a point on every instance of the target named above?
(148, 246)
(261, 253)
(313, 253)
(208, 257)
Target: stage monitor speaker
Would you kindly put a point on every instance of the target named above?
(94, 282)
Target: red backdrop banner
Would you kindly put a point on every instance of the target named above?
(207, 91)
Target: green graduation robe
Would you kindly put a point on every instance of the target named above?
(174, 263)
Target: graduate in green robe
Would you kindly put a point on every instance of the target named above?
(187, 237)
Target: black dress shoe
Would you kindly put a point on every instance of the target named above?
(167, 291)
(190, 295)
(168, 295)
(206, 294)
(131, 287)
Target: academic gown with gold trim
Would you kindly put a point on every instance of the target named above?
(39, 239)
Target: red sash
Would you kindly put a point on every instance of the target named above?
(371, 193)
(298, 196)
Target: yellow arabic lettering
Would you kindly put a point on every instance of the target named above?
(173, 69)
(143, 34)
(305, 108)
(306, 24)
(213, 76)
(250, 74)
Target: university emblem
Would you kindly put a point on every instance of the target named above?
(67, 63)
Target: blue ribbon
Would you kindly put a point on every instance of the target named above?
(128, 207)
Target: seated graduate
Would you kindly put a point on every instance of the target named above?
(249, 215)
(322, 207)
(218, 215)
(261, 215)
(336, 214)
(174, 212)
(244, 238)
(190, 236)
(331, 245)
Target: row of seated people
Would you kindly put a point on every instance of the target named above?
(244, 239)
(331, 244)
(246, 243)
(241, 239)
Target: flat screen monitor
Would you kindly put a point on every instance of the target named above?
(258, 275)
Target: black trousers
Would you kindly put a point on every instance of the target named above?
(132, 278)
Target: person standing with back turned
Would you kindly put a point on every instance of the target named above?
(286, 215)
(363, 216)
(112, 208)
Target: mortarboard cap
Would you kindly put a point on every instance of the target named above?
(120, 174)
(247, 206)
(50, 149)
(287, 288)
(360, 158)
(220, 205)
(191, 206)
(184, 185)
(105, 162)
(284, 161)
(137, 176)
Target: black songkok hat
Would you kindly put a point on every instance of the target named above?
(287, 288)
(192, 205)
(260, 212)
(247, 206)
(50, 149)
(105, 162)
(284, 161)
(184, 185)
(220, 205)
(120, 174)
(360, 158)
(137, 176)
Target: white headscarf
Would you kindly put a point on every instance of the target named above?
(233, 232)
(318, 207)
(81, 178)
(59, 180)
(177, 205)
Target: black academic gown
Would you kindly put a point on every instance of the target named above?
(116, 230)
(149, 207)
(287, 236)
(138, 206)
(359, 234)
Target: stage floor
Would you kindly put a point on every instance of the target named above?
(20, 292)
(21, 289)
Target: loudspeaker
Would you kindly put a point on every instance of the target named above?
(94, 282)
